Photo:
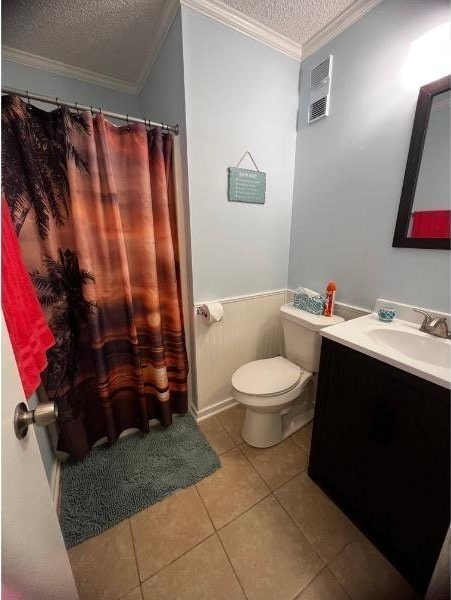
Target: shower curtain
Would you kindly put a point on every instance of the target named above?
(93, 208)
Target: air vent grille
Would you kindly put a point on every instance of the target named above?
(320, 72)
(318, 109)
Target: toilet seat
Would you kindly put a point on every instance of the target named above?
(267, 378)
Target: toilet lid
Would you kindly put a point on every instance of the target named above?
(267, 376)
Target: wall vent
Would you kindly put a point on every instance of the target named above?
(318, 109)
(320, 73)
(320, 81)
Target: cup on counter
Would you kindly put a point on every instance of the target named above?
(386, 313)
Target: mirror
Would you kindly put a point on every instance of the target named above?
(424, 215)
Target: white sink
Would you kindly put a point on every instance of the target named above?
(434, 351)
(399, 343)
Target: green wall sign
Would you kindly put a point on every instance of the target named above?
(246, 185)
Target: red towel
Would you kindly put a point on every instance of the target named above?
(30, 335)
(431, 224)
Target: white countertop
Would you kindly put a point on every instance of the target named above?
(399, 343)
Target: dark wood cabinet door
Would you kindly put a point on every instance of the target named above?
(380, 448)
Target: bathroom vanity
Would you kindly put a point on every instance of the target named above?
(381, 440)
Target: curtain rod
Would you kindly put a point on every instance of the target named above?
(76, 106)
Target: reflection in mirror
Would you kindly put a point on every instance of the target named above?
(425, 206)
(431, 210)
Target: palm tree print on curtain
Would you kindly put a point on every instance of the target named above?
(40, 181)
(105, 264)
(61, 288)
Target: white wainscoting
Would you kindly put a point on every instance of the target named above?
(250, 330)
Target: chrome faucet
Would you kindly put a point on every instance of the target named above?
(437, 326)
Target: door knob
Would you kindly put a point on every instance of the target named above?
(44, 414)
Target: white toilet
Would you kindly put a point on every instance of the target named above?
(279, 393)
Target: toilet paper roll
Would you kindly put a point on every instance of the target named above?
(212, 312)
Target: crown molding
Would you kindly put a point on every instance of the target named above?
(169, 12)
(344, 20)
(215, 9)
(59, 68)
(247, 25)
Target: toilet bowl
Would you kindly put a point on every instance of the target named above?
(279, 392)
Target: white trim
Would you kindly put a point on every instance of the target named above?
(214, 409)
(217, 10)
(170, 10)
(54, 66)
(344, 20)
(55, 483)
(240, 298)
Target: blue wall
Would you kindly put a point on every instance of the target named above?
(240, 95)
(350, 167)
(67, 88)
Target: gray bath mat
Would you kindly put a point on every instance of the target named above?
(114, 482)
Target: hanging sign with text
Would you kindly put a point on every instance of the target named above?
(246, 185)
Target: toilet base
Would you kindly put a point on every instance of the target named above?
(265, 429)
(298, 422)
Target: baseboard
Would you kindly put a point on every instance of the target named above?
(214, 409)
(55, 484)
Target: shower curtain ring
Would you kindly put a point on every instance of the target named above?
(92, 112)
(128, 124)
(78, 110)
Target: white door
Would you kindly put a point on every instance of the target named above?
(35, 564)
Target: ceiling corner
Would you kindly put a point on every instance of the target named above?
(170, 10)
(217, 10)
(344, 20)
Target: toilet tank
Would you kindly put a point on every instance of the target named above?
(301, 335)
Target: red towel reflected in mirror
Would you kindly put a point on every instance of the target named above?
(431, 224)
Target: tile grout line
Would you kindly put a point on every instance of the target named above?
(223, 547)
(249, 507)
(345, 591)
(222, 429)
(178, 557)
(306, 538)
(285, 482)
(136, 558)
(225, 431)
(316, 577)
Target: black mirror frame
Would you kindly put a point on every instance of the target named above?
(420, 124)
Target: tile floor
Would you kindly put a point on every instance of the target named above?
(257, 529)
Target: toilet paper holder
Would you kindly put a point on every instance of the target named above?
(201, 311)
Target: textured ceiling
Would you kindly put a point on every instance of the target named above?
(114, 37)
(111, 37)
(297, 20)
